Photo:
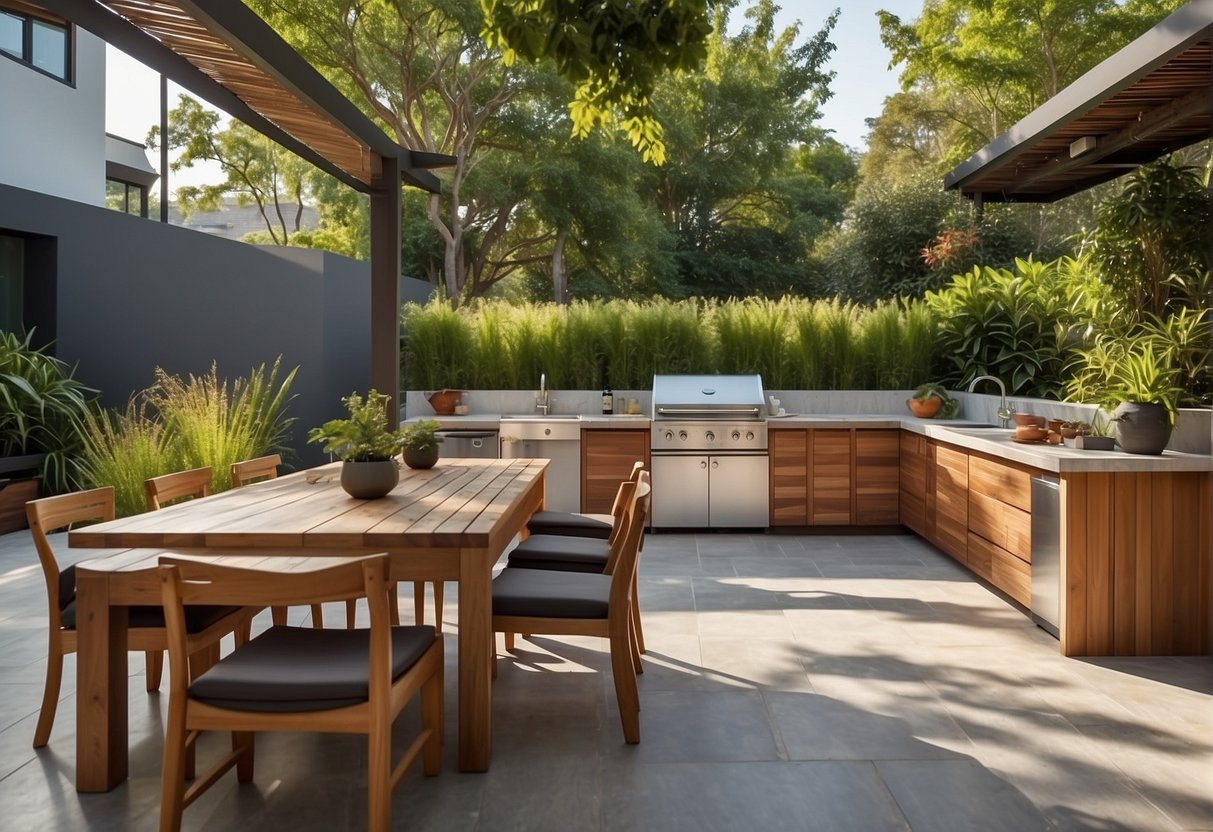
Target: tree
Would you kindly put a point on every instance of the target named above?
(731, 188)
(256, 169)
(614, 52)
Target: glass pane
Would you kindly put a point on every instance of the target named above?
(10, 34)
(50, 48)
(115, 195)
(12, 277)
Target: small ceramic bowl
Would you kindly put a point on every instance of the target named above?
(1028, 420)
(1031, 433)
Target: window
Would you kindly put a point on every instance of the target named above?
(37, 40)
(12, 278)
(126, 197)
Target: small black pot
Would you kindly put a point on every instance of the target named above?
(1142, 427)
(420, 458)
(369, 480)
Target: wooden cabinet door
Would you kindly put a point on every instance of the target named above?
(877, 477)
(607, 456)
(915, 486)
(789, 477)
(951, 500)
(830, 464)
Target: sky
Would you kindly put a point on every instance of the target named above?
(861, 83)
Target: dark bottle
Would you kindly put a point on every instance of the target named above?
(608, 400)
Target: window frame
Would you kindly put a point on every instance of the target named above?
(28, 15)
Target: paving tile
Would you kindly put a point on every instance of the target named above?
(697, 726)
(947, 795)
(705, 797)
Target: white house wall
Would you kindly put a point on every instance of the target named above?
(52, 134)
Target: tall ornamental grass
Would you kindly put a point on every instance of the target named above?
(186, 423)
(793, 343)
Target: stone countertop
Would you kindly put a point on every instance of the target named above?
(989, 440)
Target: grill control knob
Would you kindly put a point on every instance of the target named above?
(749, 434)
(682, 434)
(669, 436)
(736, 435)
(711, 436)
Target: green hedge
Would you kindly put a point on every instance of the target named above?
(795, 344)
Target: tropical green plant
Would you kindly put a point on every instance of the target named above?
(43, 408)
(365, 435)
(1115, 370)
(934, 390)
(1014, 325)
(421, 435)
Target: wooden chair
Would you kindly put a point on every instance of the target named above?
(206, 625)
(162, 490)
(541, 601)
(266, 468)
(571, 553)
(299, 679)
(576, 524)
(252, 470)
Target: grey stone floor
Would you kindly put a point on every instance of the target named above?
(799, 683)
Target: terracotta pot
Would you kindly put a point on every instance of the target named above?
(1028, 420)
(421, 459)
(925, 409)
(1142, 427)
(444, 401)
(369, 480)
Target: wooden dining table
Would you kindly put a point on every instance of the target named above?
(450, 523)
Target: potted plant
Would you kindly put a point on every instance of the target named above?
(366, 445)
(1137, 380)
(421, 442)
(931, 401)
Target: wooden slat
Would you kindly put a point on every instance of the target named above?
(1138, 541)
(951, 500)
(1099, 564)
(1002, 480)
(1074, 565)
(877, 476)
(606, 461)
(1124, 564)
(1188, 574)
(1162, 553)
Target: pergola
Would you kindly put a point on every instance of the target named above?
(1149, 99)
(225, 54)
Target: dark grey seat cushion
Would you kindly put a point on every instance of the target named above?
(197, 617)
(570, 524)
(289, 669)
(542, 593)
(566, 554)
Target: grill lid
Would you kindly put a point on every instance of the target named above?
(707, 397)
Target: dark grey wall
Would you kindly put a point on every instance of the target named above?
(133, 294)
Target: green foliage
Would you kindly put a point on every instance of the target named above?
(934, 390)
(177, 424)
(420, 435)
(793, 343)
(1153, 236)
(365, 435)
(1009, 324)
(1117, 370)
(43, 409)
(613, 52)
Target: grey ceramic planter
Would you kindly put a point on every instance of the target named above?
(369, 480)
(420, 458)
(1142, 427)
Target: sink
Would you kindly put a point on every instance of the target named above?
(539, 417)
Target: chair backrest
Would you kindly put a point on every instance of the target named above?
(50, 514)
(185, 582)
(622, 566)
(195, 482)
(621, 500)
(263, 467)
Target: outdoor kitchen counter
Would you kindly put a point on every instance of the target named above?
(997, 442)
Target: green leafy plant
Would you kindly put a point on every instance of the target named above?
(42, 411)
(365, 435)
(1116, 370)
(421, 435)
(186, 423)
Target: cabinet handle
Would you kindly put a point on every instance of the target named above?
(703, 464)
(715, 465)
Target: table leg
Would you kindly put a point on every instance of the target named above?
(475, 657)
(101, 695)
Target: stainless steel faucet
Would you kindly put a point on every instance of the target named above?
(1004, 412)
(542, 398)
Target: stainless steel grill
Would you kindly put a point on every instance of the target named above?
(709, 451)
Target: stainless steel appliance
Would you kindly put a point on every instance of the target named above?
(709, 452)
(1046, 552)
(465, 444)
(557, 438)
